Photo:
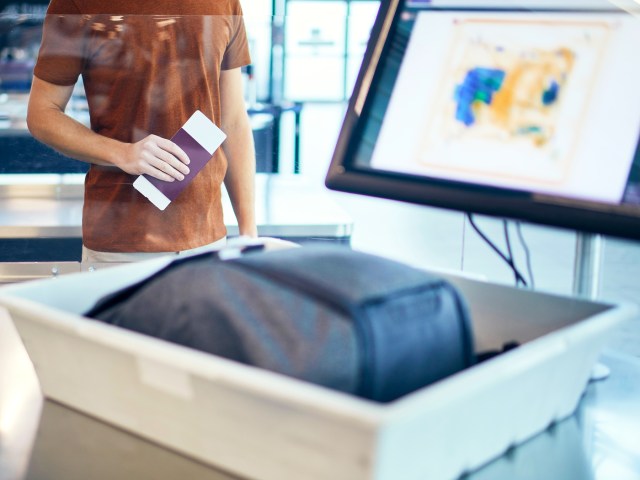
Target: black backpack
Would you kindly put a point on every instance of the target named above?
(330, 315)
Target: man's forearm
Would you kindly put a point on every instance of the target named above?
(153, 155)
(71, 138)
(240, 178)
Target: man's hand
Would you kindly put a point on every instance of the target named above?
(157, 157)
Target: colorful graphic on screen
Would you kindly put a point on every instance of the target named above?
(521, 103)
(518, 99)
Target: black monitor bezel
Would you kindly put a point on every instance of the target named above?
(585, 216)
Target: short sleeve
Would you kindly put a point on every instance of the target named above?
(61, 57)
(237, 53)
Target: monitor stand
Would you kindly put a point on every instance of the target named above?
(586, 279)
(588, 265)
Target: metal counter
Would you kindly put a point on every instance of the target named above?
(42, 223)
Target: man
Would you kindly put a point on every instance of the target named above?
(146, 67)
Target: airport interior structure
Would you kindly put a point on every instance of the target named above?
(444, 282)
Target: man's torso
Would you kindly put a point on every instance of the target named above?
(146, 66)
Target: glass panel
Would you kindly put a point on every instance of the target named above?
(315, 39)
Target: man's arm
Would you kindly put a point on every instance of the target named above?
(47, 122)
(239, 150)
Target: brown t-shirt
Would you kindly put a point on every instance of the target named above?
(146, 67)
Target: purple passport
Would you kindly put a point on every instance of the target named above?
(199, 137)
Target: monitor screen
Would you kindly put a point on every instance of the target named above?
(526, 110)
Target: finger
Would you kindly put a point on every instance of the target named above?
(157, 173)
(166, 167)
(174, 149)
(158, 154)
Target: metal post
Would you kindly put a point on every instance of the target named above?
(586, 280)
(588, 265)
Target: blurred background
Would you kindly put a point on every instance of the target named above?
(306, 57)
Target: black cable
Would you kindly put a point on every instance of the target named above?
(527, 254)
(516, 272)
(507, 241)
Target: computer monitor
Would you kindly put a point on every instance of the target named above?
(527, 110)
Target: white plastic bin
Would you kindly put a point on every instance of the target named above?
(263, 425)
